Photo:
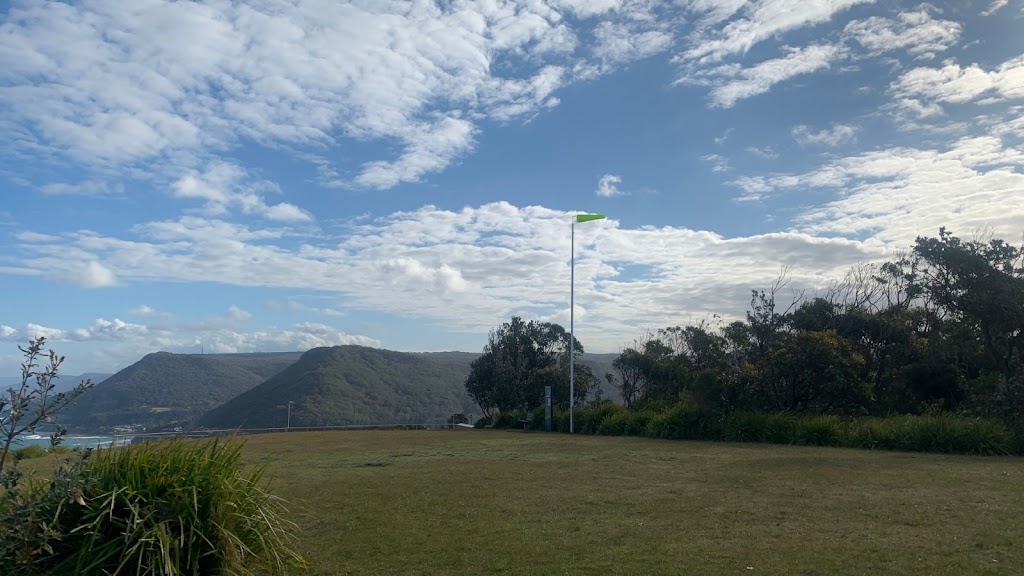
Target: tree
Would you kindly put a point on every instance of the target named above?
(812, 371)
(980, 284)
(25, 407)
(519, 360)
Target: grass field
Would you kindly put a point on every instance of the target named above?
(491, 502)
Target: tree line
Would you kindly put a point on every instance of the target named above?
(938, 329)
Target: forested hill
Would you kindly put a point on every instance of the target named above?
(165, 389)
(354, 385)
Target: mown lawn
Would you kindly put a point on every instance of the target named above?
(491, 502)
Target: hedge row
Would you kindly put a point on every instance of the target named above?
(946, 433)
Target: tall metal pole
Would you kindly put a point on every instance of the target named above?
(289, 424)
(572, 318)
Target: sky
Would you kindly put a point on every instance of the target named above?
(220, 176)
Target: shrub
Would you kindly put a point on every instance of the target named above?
(483, 422)
(588, 420)
(684, 422)
(748, 427)
(560, 421)
(941, 433)
(625, 424)
(817, 431)
(29, 452)
(508, 419)
(30, 519)
(538, 420)
(166, 508)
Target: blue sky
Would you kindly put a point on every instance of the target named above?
(276, 175)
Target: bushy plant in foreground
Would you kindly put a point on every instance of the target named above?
(778, 428)
(684, 422)
(588, 420)
(29, 452)
(162, 509)
(625, 424)
(938, 433)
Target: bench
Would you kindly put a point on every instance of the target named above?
(526, 420)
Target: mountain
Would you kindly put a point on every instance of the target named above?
(357, 385)
(354, 385)
(165, 389)
(62, 384)
(601, 364)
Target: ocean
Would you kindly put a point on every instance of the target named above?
(74, 441)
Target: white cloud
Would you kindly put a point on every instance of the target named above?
(236, 314)
(732, 83)
(30, 236)
(755, 188)
(893, 195)
(837, 135)
(303, 336)
(224, 185)
(765, 153)
(145, 311)
(924, 89)
(714, 11)
(588, 8)
(995, 7)
(608, 186)
(718, 162)
(103, 329)
(467, 268)
(762, 20)
(92, 346)
(720, 140)
(916, 32)
(84, 188)
(626, 42)
(33, 331)
(91, 274)
(302, 77)
(429, 148)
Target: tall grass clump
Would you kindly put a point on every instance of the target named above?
(685, 422)
(174, 508)
(939, 433)
(29, 452)
(588, 420)
(625, 424)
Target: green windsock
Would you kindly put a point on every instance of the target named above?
(589, 217)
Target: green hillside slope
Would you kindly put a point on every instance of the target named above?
(354, 385)
(165, 389)
(347, 385)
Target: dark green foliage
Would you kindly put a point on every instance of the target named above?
(508, 419)
(937, 331)
(774, 428)
(625, 424)
(31, 519)
(166, 389)
(818, 431)
(162, 509)
(29, 452)
(588, 420)
(346, 385)
(520, 360)
(684, 422)
(942, 433)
